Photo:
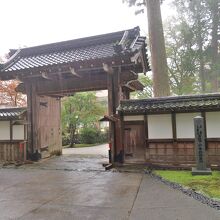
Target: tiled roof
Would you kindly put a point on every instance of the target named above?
(91, 48)
(11, 113)
(171, 104)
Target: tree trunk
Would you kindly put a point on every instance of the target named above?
(72, 135)
(201, 57)
(157, 48)
(214, 45)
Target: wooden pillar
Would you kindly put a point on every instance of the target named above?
(114, 97)
(122, 135)
(11, 130)
(118, 97)
(126, 93)
(31, 118)
(111, 107)
(146, 137)
(175, 144)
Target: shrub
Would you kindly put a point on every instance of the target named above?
(65, 139)
(89, 135)
(103, 137)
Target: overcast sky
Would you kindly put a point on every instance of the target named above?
(35, 22)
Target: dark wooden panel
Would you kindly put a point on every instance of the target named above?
(134, 143)
(180, 154)
(12, 152)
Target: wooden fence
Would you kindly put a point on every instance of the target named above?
(181, 154)
(12, 151)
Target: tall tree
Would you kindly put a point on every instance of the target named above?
(157, 45)
(79, 111)
(157, 48)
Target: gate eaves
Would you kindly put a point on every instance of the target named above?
(77, 65)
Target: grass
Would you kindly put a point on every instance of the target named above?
(208, 185)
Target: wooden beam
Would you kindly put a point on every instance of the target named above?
(109, 118)
(66, 86)
(69, 86)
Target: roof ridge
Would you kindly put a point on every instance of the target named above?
(108, 46)
(176, 98)
(74, 43)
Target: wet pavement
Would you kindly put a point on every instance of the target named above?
(77, 187)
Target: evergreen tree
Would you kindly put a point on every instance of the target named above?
(157, 45)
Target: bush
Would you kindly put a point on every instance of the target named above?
(103, 137)
(93, 136)
(89, 135)
(65, 139)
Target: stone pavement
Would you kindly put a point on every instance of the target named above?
(100, 150)
(55, 189)
(156, 200)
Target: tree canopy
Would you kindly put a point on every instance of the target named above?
(193, 45)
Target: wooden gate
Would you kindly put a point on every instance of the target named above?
(134, 143)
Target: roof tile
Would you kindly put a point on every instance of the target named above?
(11, 113)
(171, 104)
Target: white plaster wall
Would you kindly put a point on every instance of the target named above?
(185, 125)
(160, 126)
(18, 132)
(213, 124)
(4, 130)
(134, 118)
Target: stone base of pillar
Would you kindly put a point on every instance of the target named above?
(206, 171)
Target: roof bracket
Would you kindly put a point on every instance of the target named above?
(45, 75)
(108, 68)
(72, 70)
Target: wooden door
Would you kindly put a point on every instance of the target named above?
(134, 143)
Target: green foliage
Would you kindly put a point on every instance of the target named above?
(199, 22)
(92, 136)
(182, 59)
(89, 135)
(80, 111)
(65, 139)
(208, 185)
